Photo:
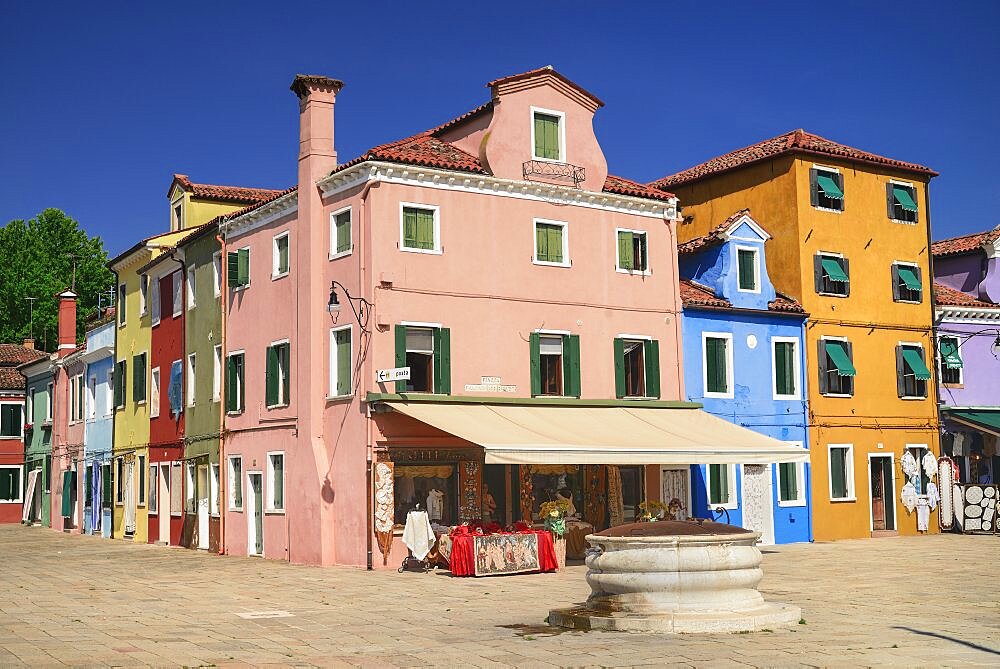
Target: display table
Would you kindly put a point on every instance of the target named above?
(500, 553)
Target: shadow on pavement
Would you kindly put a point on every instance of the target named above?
(949, 638)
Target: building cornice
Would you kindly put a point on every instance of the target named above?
(261, 216)
(964, 314)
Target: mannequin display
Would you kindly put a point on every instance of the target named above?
(435, 504)
(565, 495)
(489, 504)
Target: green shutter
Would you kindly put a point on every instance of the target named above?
(106, 485)
(837, 351)
(715, 362)
(535, 361)
(747, 271)
(442, 361)
(718, 484)
(282, 254)
(555, 243)
(425, 229)
(547, 136)
(789, 487)
(651, 355)
(541, 243)
(231, 404)
(950, 354)
(571, 365)
(409, 228)
(343, 232)
(67, 494)
(619, 352)
(626, 254)
(916, 363)
(271, 376)
(232, 270)
(9, 488)
(784, 368)
(343, 340)
(401, 386)
(139, 377)
(838, 471)
(243, 267)
(240, 369)
(902, 196)
(10, 421)
(286, 363)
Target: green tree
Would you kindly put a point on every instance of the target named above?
(37, 259)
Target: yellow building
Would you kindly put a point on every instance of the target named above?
(191, 205)
(851, 234)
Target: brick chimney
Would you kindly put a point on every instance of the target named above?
(67, 323)
(317, 95)
(29, 342)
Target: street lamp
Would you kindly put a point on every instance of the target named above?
(359, 305)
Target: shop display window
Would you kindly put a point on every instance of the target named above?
(433, 486)
(550, 483)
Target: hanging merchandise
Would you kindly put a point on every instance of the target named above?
(909, 465)
(989, 445)
(909, 497)
(929, 463)
(923, 514)
(958, 444)
(933, 496)
(946, 477)
(384, 503)
(979, 507)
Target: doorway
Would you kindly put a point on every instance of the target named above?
(203, 507)
(130, 496)
(675, 483)
(758, 508)
(255, 519)
(165, 504)
(881, 488)
(496, 480)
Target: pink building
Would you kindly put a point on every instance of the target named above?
(68, 416)
(532, 297)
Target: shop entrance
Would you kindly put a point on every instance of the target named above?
(497, 492)
(882, 487)
(203, 507)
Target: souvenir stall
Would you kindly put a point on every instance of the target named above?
(920, 493)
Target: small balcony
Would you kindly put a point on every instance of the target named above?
(543, 170)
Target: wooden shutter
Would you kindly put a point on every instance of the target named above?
(231, 383)
(850, 355)
(401, 386)
(838, 472)
(846, 264)
(652, 359)
(890, 201)
(626, 253)
(824, 381)
(555, 243)
(343, 225)
(571, 365)
(813, 188)
(106, 485)
(243, 268)
(344, 362)
(442, 361)
(839, 178)
(619, 359)
(920, 277)
(541, 243)
(232, 270)
(285, 360)
(894, 272)
(818, 273)
(900, 370)
(271, 376)
(139, 378)
(425, 229)
(536, 364)
(409, 228)
(780, 368)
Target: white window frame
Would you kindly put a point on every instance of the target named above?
(230, 478)
(567, 262)
(269, 495)
(213, 489)
(173, 489)
(332, 377)
(800, 476)
(826, 338)
(333, 253)
(109, 407)
(848, 475)
(24, 419)
(910, 265)
(242, 394)
(733, 502)
(190, 479)
(141, 481)
(177, 214)
(246, 285)
(282, 373)
(154, 384)
(437, 250)
(91, 398)
(797, 368)
(217, 373)
(562, 133)
(20, 478)
(831, 170)
(177, 292)
(275, 259)
(730, 377)
(49, 391)
(618, 267)
(756, 267)
(929, 383)
(120, 306)
(119, 480)
(217, 273)
(190, 289)
(941, 365)
(155, 302)
(916, 194)
(144, 284)
(189, 377)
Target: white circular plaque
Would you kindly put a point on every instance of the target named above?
(751, 342)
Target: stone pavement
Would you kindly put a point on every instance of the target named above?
(918, 601)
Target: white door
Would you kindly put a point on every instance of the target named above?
(255, 517)
(675, 483)
(130, 497)
(758, 512)
(163, 483)
(203, 507)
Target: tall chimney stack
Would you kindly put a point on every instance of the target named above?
(67, 323)
(317, 95)
(29, 342)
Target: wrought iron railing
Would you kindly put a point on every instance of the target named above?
(563, 171)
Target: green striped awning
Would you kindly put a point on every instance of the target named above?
(833, 269)
(902, 197)
(950, 355)
(916, 363)
(909, 278)
(829, 187)
(838, 354)
(988, 419)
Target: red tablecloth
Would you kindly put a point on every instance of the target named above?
(463, 552)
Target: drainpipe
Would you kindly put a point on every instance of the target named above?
(370, 449)
(805, 424)
(223, 296)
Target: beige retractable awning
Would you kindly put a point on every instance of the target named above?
(514, 434)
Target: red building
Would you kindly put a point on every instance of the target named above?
(12, 427)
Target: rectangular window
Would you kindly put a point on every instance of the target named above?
(238, 268)
(841, 472)
(276, 481)
(119, 481)
(191, 293)
(632, 253)
(551, 243)
(10, 484)
(721, 486)
(340, 233)
(547, 136)
(217, 273)
(901, 201)
(785, 362)
(950, 360)
(176, 223)
(176, 501)
(139, 378)
(190, 504)
(912, 373)
(832, 275)
(154, 488)
(921, 478)
(791, 484)
(906, 283)
(717, 367)
(92, 398)
(155, 306)
(177, 285)
(154, 392)
(235, 483)
(143, 293)
(836, 367)
(106, 486)
(11, 425)
(109, 393)
(637, 367)
(555, 364)
(141, 468)
(279, 259)
(277, 373)
(426, 350)
(72, 396)
(826, 188)
(341, 362)
(748, 270)
(49, 400)
(420, 359)
(120, 307)
(192, 362)
(234, 383)
(420, 229)
(213, 493)
(217, 374)
(80, 398)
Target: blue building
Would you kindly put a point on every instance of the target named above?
(98, 429)
(744, 357)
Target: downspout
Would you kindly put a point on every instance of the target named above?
(370, 448)
(803, 358)
(223, 296)
(676, 282)
(932, 344)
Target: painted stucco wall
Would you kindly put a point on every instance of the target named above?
(38, 440)
(980, 386)
(99, 429)
(972, 273)
(12, 453)
(67, 446)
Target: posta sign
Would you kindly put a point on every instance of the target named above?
(394, 374)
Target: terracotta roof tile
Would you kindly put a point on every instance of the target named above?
(946, 296)
(694, 294)
(548, 69)
(785, 303)
(796, 141)
(11, 379)
(15, 354)
(237, 194)
(965, 243)
(467, 116)
(622, 186)
(714, 237)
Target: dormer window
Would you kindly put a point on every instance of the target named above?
(175, 223)
(548, 135)
(748, 270)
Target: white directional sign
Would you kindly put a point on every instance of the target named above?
(394, 374)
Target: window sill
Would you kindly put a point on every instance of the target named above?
(271, 407)
(910, 398)
(546, 263)
(177, 314)
(640, 398)
(237, 289)
(786, 398)
(728, 506)
(842, 295)
(176, 514)
(275, 277)
(909, 301)
(843, 499)
(956, 386)
(433, 252)
(902, 222)
(836, 395)
(153, 513)
(636, 272)
(10, 437)
(238, 412)
(792, 504)
(719, 396)
(828, 209)
(341, 254)
(548, 160)
(339, 398)
(752, 291)
(234, 510)
(274, 512)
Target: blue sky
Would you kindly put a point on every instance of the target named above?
(103, 102)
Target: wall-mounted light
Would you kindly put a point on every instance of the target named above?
(359, 305)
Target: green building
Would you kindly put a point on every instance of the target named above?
(39, 395)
